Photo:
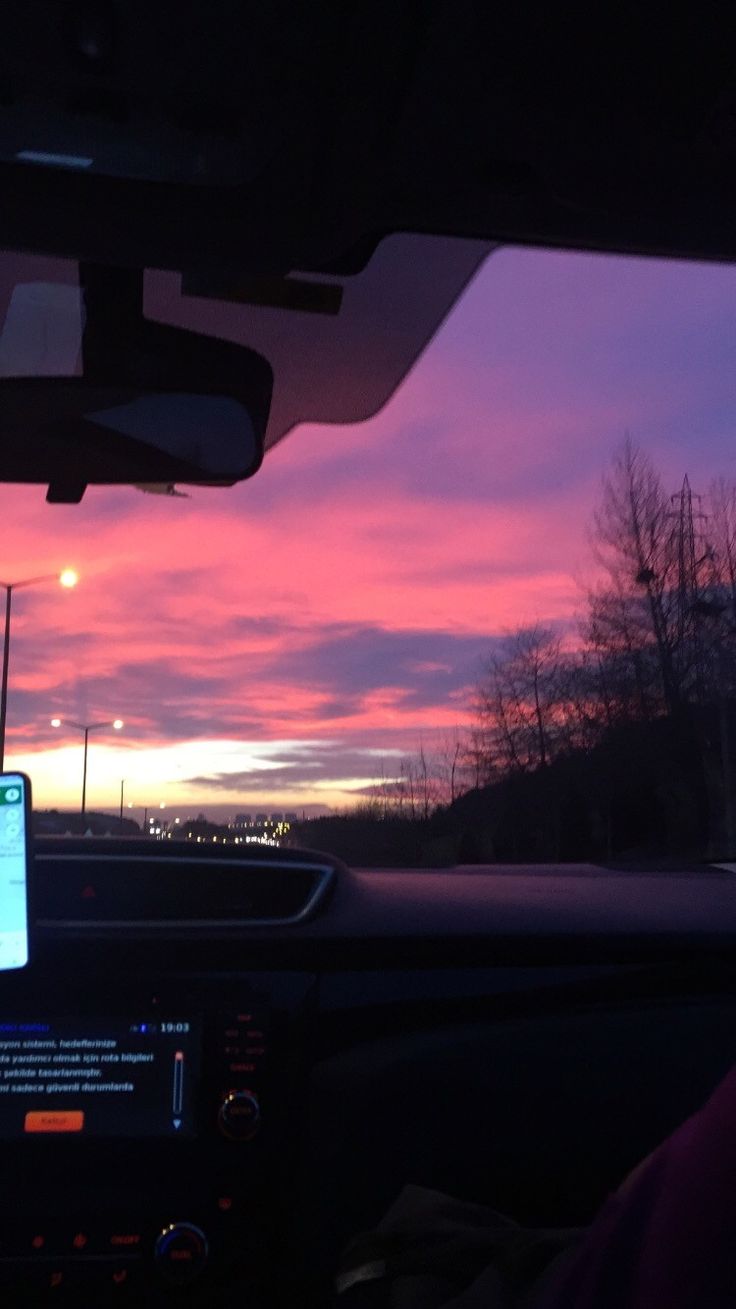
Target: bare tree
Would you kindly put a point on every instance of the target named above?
(633, 614)
(453, 764)
(518, 700)
(449, 767)
(477, 767)
(722, 536)
(670, 571)
(658, 640)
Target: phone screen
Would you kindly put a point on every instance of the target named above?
(15, 810)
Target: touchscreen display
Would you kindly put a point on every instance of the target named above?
(14, 863)
(98, 1077)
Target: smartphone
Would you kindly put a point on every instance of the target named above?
(15, 870)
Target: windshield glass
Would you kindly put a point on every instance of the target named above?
(495, 621)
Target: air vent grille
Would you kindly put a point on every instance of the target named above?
(114, 890)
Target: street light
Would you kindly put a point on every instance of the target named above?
(117, 723)
(68, 579)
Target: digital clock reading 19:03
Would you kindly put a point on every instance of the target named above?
(174, 1029)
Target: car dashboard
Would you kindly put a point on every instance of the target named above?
(219, 1067)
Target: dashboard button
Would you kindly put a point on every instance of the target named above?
(55, 1278)
(120, 1277)
(240, 1116)
(181, 1252)
(125, 1241)
(30, 1279)
(47, 1240)
(53, 1121)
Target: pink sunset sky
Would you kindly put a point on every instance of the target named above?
(283, 644)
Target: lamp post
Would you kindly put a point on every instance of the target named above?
(116, 724)
(68, 579)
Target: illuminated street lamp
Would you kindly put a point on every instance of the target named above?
(116, 724)
(68, 579)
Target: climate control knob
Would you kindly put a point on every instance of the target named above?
(181, 1252)
(240, 1116)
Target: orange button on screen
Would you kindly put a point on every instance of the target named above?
(45, 1120)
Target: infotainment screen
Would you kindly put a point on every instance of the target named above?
(98, 1077)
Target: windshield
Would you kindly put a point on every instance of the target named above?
(494, 621)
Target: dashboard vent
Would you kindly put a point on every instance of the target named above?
(116, 890)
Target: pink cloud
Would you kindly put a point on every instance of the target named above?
(462, 510)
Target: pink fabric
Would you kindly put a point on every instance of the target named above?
(667, 1238)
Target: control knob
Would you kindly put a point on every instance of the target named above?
(181, 1252)
(240, 1116)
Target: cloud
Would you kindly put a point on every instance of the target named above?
(349, 592)
(303, 766)
(333, 675)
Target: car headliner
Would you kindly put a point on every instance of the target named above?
(297, 137)
(268, 140)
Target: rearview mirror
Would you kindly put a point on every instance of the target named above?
(151, 404)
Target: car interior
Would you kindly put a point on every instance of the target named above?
(258, 217)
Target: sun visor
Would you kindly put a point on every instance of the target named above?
(339, 357)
